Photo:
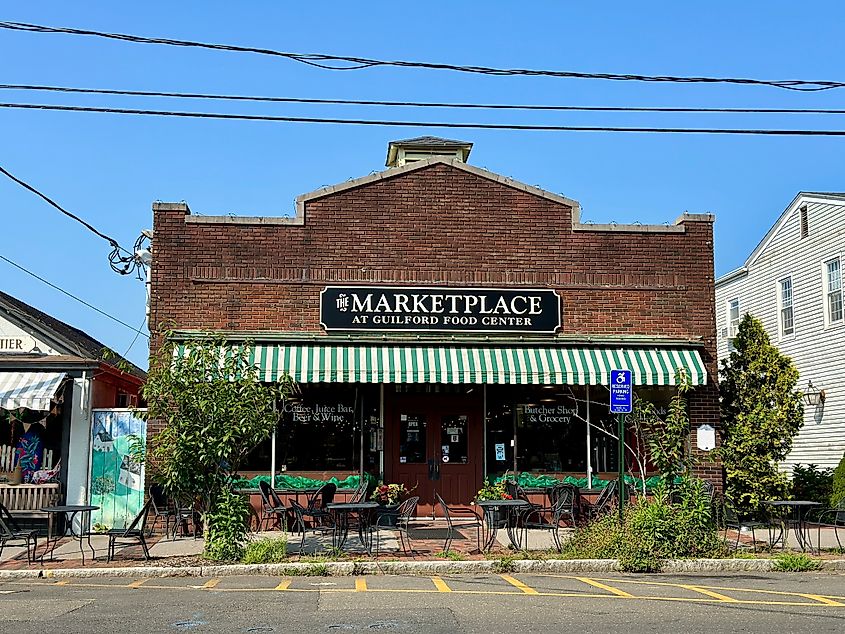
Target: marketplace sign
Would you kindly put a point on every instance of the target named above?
(435, 309)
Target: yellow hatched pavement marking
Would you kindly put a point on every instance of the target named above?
(137, 584)
(211, 583)
(440, 584)
(823, 600)
(284, 584)
(710, 593)
(518, 584)
(360, 584)
(603, 586)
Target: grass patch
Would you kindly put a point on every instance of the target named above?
(796, 562)
(315, 570)
(451, 556)
(505, 564)
(271, 550)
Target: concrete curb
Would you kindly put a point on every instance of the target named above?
(435, 567)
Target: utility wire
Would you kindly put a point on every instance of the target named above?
(422, 124)
(325, 61)
(72, 296)
(414, 104)
(121, 260)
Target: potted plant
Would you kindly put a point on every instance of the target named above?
(495, 490)
(389, 497)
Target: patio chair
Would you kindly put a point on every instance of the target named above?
(732, 521)
(271, 506)
(604, 504)
(323, 523)
(833, 517)
(184, 513)
(132, 533)
(464, 518)
(316, 509)
(361, 493)
(405, 513)
(11, 531)
(161, 509)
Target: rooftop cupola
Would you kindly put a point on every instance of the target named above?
(400, 153)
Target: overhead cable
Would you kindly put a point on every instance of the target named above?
(421, 124)
(414, 104)
(328, 62)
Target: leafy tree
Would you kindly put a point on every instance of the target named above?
(761, 414)
(215, 410)
(837, 495)
(665, 439)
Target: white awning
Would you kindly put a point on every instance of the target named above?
(32, 390)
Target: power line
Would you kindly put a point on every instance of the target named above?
(321, 60)
(414, 104)
(422, 124)
(72, 296)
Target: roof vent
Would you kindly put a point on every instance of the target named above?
(400, 153)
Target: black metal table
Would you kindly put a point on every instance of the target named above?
(70, 511)
(342, 512)
(797, 520)
(491, 523)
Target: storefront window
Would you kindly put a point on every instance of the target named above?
(453, 439)
(412, 439)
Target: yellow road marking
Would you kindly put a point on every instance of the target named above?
(211, 583)
(517, 583)
(823, 600)
(599, 584)
(360, 584)
(710, 593)
(284, 584)
(63, 582)
(440, 584)
(137, 584)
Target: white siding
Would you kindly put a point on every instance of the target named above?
(818, 350)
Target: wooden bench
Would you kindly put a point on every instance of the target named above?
(24, 500)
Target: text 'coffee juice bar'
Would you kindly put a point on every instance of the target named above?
(445, 324)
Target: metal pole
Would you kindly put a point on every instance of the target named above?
(621, 432)
(273, 449)
(589, 444)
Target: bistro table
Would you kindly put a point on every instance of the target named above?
(70, 511)
(342, 511)
(797, 519)
(491, 523)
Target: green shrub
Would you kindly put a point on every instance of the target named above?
(812, 483)
(315, 570)
(796, 562)
(504, 564)
(451, 555)
(837, 493)
(652, 531)
(272, 550)
(226, 527)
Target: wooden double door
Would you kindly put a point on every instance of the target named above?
(435, 444)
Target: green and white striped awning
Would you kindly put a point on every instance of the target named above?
(493, 365)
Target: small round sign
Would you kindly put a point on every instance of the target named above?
(445, 458)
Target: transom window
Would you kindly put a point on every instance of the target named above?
(834, 290)
(787, 321)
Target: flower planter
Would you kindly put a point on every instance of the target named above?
(387, 514)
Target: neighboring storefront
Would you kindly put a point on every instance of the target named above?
(52, 376)
(446, 323)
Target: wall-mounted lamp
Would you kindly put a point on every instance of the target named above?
(813, 395)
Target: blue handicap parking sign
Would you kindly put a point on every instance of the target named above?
(621, 394)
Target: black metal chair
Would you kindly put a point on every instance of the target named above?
(606, 501)
(732, 521)
(465, 518)
(271, 506)
(11, 531)
(322, 523)
(162, 508)
(363, 490)
(833, 517)
(132, 533)
(316, 508)
(404, 515)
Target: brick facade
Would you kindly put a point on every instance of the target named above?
(439, 224)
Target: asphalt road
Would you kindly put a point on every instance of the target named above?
(486, 603)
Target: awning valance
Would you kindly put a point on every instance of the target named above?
(493, 365)
(32, 390)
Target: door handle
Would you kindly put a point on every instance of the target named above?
(433, 469)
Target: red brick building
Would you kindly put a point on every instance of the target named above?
(446, 322)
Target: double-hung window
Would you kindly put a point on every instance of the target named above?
(833, 288)
(787, 317)
(733, 318)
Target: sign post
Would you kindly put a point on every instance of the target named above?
(621, 403)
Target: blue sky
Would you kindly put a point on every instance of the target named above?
(109, 168)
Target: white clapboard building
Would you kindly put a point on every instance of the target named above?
(793, 283)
